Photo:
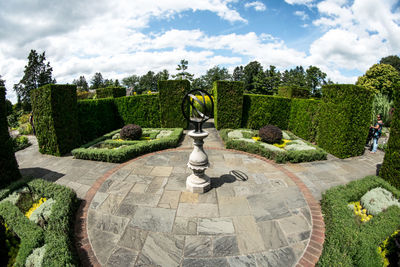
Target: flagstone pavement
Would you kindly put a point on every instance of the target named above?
(257, 213)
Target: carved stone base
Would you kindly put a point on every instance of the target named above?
(196, 184)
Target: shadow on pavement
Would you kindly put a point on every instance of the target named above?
(232, 177)
(45, 174)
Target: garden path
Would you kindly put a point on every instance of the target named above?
(138, 213)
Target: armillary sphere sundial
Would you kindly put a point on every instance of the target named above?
(199, 113)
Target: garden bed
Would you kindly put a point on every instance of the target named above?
(349, 242)
(41, 215)
(291, 149)
(111, 148)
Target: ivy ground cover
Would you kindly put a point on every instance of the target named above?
(290, 149)
(111, 148)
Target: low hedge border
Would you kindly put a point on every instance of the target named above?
(346, 242)
(278, 157)
(58, 234)
(129, 152)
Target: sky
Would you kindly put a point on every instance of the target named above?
(344, 38)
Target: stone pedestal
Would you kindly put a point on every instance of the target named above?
(198, 182)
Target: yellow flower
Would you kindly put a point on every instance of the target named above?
(134, 93)
(283, 143)
(256, 138)
(36, 205)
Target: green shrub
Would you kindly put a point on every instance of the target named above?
(347, 243)
(171, 96)
(303, 119)
(25, 129)
(260, 110)
(344, 118)
(143, 110)
(390, 170)
(56, 118)
(97, 117)
(8, 164)
(228, 104)
(293, 91)
(111, 92)
(20, 142)
(127, 152)
(131, 132)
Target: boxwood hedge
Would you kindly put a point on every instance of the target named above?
(58, 234)
(348, 243)
(390, 169)
(128, 152)
(344, 117)
(55, 115)
(303, 120)
(228, 104)
(111, 91)
(261, 110)
(171, 96)
(8, 164)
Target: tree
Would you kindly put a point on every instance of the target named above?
(315, 78)
(147, 82)
(393, 60)
(97, 81)
(116, 83)
(37, 73)
(250, 71)
(381, 78)
(2, 82)
(81, 84)
(131, 81)
(215, 74)
(238, 74)
(199, 84)
(162, 75)
(182, 73)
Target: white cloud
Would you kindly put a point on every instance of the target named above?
(299, 2)
(257, 5)
(301, 14)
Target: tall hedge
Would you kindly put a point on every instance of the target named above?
(111, 91)
(8, 164)
(390, 169)
(260, 110)
(55, 115)
(171, 96)
(143, 110)
(228, 104)
(97, 117)
(303, 120)
(293, 91)
(344, 118)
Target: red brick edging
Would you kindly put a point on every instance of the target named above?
(310, 256)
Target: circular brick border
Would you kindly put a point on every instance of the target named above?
(309, 258)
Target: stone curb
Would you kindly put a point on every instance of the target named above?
(309, 258)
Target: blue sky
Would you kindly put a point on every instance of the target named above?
(120, 38)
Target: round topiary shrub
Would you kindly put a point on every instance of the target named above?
(270, 134)
(131, 132)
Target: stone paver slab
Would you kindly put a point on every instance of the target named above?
(133, 238)
(202, 210)
(153, 219)
(185, 226)
(161, 171)
(294, 224)
(198, 246)
(225, 246)
(233, 206)
(215, 226)
(169, 199)
(272, 235)
(122, 257)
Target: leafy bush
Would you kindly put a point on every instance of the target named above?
(20, 142)
(110, 92)
(270, 134)
(171, 96)
(390, 170)
(348, 243)
(378, 200)
(228, 104)
(303, 119)
(131, 132)
(25, 129)
(293, 91)
(8, 164)
(127, 152)
(56, 118)
(381, 105)
(344, 118)
(260, 110)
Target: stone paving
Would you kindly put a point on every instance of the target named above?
(139, 213)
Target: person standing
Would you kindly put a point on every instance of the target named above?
(377, 133)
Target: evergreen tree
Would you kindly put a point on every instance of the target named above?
(250, 71)
(81, 84)
(97, 81)
(238, 74)
(315, 78)
(37, 73)
(182, 73)
(215, 74)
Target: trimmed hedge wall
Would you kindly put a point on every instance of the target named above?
(261, 110)
(8, 164)
(228, 104)
(143, 110)
(58, 235)
(347, 243)
(171, 96)
(97, 117)
(110, 92)
(344, 117)
(390, 169)
(303, 120)
(55, 115)
(292, 91)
